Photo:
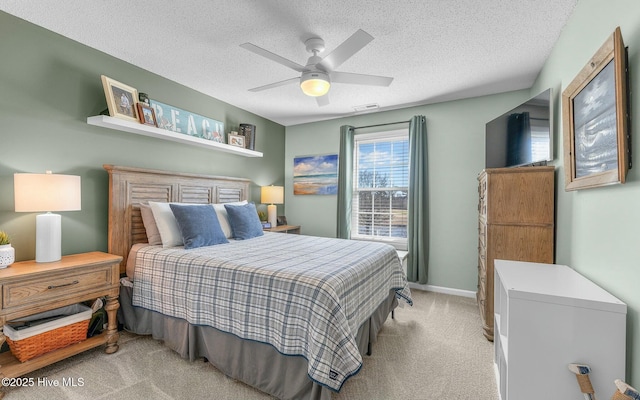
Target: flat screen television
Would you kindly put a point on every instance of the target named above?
(522, 136)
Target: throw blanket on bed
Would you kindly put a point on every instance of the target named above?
(304, 295)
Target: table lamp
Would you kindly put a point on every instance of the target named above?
(47, 192)
(272, 195)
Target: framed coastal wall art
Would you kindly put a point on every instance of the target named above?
(595, 117)
(121, 99)
(315, 175)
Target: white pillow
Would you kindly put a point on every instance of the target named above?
(223, 218)
(167, 224)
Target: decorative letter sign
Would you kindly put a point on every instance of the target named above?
(188, 123)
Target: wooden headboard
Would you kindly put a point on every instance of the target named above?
(128, 187)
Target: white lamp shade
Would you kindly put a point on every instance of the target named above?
(46, 192)
(272, 195)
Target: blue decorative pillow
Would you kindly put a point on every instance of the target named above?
(199, 225)
(244, 221)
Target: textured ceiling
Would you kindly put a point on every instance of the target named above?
(436, 50)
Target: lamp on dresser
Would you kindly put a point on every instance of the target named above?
(272, 195)
(46, 193)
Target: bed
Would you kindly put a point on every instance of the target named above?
(291, 315)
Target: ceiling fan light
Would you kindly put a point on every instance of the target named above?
(315, 84)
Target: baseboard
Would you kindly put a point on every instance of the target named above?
(441, 289)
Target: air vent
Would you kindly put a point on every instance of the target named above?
(366, 107)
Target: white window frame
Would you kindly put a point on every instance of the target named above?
(398, 243)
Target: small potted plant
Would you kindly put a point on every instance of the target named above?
(263, 219)
(7, 252)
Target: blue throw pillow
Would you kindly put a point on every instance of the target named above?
(199, 225)
(244, 221)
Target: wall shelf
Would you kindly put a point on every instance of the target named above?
(146, 130)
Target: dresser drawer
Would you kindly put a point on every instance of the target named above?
(58, 287)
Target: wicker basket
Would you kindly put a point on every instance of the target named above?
(32, 342)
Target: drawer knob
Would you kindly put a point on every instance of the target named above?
(63, 285)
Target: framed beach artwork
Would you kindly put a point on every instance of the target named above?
(596, 120)
(315, 175)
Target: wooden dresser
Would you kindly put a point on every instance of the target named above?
(515, 222)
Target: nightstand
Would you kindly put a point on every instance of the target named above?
(29, 288)
(295, 229)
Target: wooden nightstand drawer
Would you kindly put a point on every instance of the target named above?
(54, 287)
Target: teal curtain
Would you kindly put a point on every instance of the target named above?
(519, 139)
(418, 202)
(345, 182)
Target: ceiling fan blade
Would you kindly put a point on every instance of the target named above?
(323, 100)
(273, 57)
(275, 84)
(360, 79)
(347, 49)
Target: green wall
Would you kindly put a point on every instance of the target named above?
(598, 230)
(49, 85)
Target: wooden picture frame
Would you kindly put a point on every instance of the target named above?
(236, 140)
(121, 99)
(595, 119)
(146, 114)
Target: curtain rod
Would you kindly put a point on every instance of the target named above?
(372, 126)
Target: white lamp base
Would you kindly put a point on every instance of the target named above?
(272, 215)
(48, 237)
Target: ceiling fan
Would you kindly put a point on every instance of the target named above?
(319, 72)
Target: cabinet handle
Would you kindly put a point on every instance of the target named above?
(63, 285)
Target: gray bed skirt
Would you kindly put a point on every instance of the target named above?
(257, 364)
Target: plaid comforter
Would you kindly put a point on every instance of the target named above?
(303, 295)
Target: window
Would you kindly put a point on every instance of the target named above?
(381, 184)
(539, 138)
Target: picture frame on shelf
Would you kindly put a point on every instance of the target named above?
(121, 99)
(281, 220)
(236, 140)
(146, 114)
(595, 119)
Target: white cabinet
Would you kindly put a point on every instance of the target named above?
(546, 317)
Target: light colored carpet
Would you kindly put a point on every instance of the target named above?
(433, 350)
